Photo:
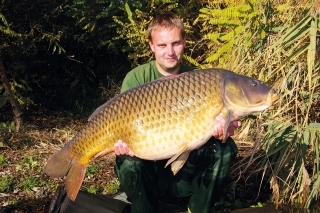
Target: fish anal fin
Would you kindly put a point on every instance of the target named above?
(179, 162)
(74, 179)
(103, 153)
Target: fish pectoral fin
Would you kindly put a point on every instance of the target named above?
(175, 156)
(226, 126)
(179, 162)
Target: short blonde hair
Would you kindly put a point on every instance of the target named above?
(166, 20)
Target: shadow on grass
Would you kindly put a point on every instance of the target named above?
(28, 206)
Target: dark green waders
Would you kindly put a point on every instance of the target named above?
(201, 178)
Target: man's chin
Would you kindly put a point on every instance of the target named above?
(172, 66)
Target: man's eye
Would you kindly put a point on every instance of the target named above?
(162, 45)
(176, 43)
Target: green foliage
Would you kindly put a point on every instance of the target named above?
(5, 28)
(6, 183)
(286, 56)
(3, 161)
(9, 125)
(54, 54)
(29, 183)
(223, 27)
(112, 187)
(95, 19)
(92, 170)
(29, 163)
(92, 189)
(133, 30)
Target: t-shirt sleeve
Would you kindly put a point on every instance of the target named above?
(129, 82)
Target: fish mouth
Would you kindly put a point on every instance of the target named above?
(273, 97)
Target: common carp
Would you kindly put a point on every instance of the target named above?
(163, 119)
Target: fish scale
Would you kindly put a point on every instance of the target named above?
(164, 119)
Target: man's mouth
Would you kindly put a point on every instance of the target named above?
(171, 59)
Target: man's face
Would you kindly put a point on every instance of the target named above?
(167, 46)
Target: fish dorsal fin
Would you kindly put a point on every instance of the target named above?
(226, 126)
(100, 108)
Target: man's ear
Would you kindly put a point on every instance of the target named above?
(151, 46)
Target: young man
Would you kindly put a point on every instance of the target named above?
(202, 176)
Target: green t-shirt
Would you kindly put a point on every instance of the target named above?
(146, 73)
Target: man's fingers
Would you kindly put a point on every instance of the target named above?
(116, 149)
(236, 124)
(215, 132)
(131, 154)
(124, 149)
(219, 127)
(121, 148)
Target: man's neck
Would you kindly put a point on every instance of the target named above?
(166, 72)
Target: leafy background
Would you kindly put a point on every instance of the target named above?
(65, 58)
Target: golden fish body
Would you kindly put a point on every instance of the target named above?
(164, 119)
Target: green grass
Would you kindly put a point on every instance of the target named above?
(28, 163)
(92, 189)
(92, 170)
(112, 187)
(6, 183)
(3, 161)
(29, 183)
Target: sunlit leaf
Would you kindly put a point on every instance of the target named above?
(312, 50)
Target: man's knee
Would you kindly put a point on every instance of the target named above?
(232, 147)
(127, 164)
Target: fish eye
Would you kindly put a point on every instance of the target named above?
(254, 83)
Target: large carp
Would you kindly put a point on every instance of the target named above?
(163, 119)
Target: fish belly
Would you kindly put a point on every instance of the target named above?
(173, 137)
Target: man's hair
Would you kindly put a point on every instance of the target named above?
(166, 20)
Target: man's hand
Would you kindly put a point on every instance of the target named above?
(121, 148)
(218, 128)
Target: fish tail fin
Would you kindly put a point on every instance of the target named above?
(63, 164)
(59, 164)
(74, 179)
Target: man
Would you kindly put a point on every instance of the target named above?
(202, 176)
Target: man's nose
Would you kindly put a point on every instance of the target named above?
(170, 50)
